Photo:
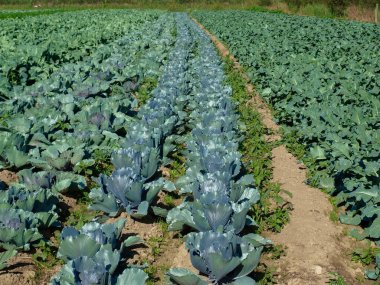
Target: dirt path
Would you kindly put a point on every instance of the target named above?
(315, 245)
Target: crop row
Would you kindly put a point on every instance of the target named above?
(134, 184)
(219, 195)
(58, 128)
(34, 47)
(190, 91)
(82, 108)
(322, 78)
(51, 127)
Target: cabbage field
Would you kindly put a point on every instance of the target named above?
(70, 102)
(322, 77)
(97, 105)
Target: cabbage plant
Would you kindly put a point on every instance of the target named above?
(216, 206)
(91, 237)
(93, 255)
(224, 257)
(18, 228)
(98, 269)
(124, 189)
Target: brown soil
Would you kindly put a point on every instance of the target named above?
(315, 246)
(160, 249)
(8, 176)
(21, 271)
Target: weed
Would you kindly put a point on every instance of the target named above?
(145, 90)
(169, 200)
(291, 141)
(152, 271)
(177, 167)
(365, 255)
(266, 275)
(3, 119)
(164, 226)
(334, 214)
(360, 278)
(272, 212)
(336, 279)
(45, 257)
(61, 125)
(102, 162)
(276, 251)
(46, 251)
(155, 243)
(80, 216)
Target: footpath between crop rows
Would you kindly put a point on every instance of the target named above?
(315, 249)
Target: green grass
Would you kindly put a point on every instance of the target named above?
(336, 279)
(80, 216)
(12, 15)
(272, 212)
(264, 10)
(365, 255)
(334, 214)
(316, 10)
(145, 91)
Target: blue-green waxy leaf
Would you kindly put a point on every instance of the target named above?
(220, 267)
(349, 219)
(132, 276)
(132, 240)
(243, 281)
(317, 153)
(16, 157)
(5, 256)
(373, 230)
(82, 245)
(183, 276)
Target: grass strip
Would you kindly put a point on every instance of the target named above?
(272, 212)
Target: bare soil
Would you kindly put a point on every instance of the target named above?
(8, 176)
(315, 246)
(21, 271)
(160, 249)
